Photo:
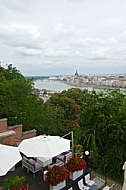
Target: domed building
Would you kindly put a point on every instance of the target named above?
(76, 74)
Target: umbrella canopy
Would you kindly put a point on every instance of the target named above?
(124, 184)
(9, 156)
(44, 146)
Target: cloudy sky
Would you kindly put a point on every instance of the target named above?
(53, 37)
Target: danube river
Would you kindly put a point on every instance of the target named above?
(56, 86)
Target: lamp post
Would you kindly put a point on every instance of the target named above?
(88, 156)
(91, 130)
(86, 152)
(72, 140)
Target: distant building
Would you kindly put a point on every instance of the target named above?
(52, 78)
(76, 74)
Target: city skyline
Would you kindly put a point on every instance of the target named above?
(59, 37)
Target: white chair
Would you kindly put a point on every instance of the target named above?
(71, 188)
(44, 175)
(82, 186)
(88, 181)
(106, 188)
(109, 188)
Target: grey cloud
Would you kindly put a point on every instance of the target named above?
(28, 52)
(21, 36)
(98, 58)
(76, 0)
(14, 6)
(65, 34)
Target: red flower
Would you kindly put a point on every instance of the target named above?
(76, 163)
(56, 175)
(19, 188)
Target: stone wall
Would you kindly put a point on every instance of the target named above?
(13, 135)
(3, 125)
(29, 134)
(8, 138)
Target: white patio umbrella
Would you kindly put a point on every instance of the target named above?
(124, 184)
(44, 146)
(9, 156)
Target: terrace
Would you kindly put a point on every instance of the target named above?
(37, 182)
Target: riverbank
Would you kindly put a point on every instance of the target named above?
(90, 85)
(59, 86)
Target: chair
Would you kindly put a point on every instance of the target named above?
(68, 156)
(71, 188)
(64, 156)
(88, 181)
(28, 186)
(32, 165)
(60, 163)
(109, 188)
(44, 175)
(82, 186)
(25, 163)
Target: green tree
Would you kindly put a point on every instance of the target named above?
(18, 103)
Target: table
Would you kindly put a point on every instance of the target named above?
(44, 161)
(94, 187)
(99, 182)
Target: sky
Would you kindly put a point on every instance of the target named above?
(58, 37)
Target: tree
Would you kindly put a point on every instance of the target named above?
(65, 111)
(18, 103)
(78, 110)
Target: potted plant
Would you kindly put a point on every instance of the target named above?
(56, 177)
(75, 166)
(79, 150)
(14, 183)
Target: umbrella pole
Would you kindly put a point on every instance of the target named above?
(72, 140)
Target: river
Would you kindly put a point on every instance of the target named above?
(56, 86)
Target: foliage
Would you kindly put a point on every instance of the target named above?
(64, 111)
(78, 150)
(76, 163)
(104, 112)
(81, 111)
(56, 175)
(14, 182)
(18, 103)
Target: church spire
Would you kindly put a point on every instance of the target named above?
(76, 74)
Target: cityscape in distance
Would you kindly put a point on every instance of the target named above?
(102, 81)
(96, 82)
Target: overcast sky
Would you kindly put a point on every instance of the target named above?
(53, 37)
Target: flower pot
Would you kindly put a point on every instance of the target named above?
(58, 186)
(76, 174)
